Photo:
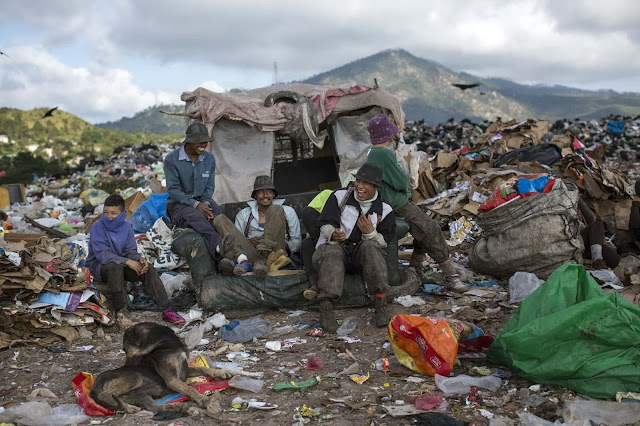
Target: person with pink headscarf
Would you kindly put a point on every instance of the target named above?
(427, 236)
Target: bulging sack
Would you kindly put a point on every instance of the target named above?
(430, 345)
(507, 246)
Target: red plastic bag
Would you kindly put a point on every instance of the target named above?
(82, 385)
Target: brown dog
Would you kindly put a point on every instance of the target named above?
(156, 362)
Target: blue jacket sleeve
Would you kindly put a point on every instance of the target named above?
(131, 249)
(207, 195)
(174, 188)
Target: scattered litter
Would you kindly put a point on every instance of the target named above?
(408, 301)
(359, 379)
(296, 385)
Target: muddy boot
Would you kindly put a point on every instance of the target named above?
(327, 318)
(228, 254)
(260, 266)
(381, 314)
(312, 292)
(226, 266)
(416, 262)
(451, 277)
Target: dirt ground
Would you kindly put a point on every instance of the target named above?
(27, 368)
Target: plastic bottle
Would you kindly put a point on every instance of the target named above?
(348, 326)
(462, 384)
(279, 331)
(385, 364)
(246, 383)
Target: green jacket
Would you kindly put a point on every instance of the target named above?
(395, 189)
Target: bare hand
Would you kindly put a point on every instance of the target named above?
(135, 265)
(364, 224)
(145, 265)
(255, 241)
(205, 209)
(338, 235)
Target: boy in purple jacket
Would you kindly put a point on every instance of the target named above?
(114, 258)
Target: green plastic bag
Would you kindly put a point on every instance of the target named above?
(570, 333)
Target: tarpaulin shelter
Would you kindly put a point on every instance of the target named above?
(306, 137)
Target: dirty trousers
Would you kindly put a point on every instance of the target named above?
(114, 276)
(333, 260)
(594, 234)
(184, 216)
(427, 236)
(272, 239)
(309, 218)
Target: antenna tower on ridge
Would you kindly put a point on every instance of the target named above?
(276, 77)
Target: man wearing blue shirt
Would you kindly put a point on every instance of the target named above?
(190, 174)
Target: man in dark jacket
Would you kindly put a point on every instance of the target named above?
(190, 173)
(355, 227)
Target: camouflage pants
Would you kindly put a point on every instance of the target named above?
(427, 236)
(333, 260)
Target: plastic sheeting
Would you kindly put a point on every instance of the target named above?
(570, 333)
(217, 292)
(352, 141)
(242, 153)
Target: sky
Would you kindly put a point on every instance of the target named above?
(105, 59)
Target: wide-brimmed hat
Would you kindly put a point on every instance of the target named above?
(263, 182)
(197, 133)
(381, 129)
(371, 173)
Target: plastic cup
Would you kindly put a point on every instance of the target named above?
(274, 345)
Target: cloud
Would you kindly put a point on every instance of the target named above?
(583, 43)
(528, 40)
(34, 78)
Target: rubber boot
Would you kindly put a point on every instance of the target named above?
(312, 292)
(327, 318)
(260, 266)
(451, 277)
(381, 315)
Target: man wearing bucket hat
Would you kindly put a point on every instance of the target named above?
(190, 174)
(355, 227)
(426, 233)
(266, 226)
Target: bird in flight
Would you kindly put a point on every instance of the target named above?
(49, 113)
(2, 53)
(464, 87)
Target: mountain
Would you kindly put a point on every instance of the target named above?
(425, 88)
(151, 120)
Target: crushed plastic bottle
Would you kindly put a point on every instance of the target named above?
(348, 326)
(462, 384)
(246, 383)
(279, 331)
